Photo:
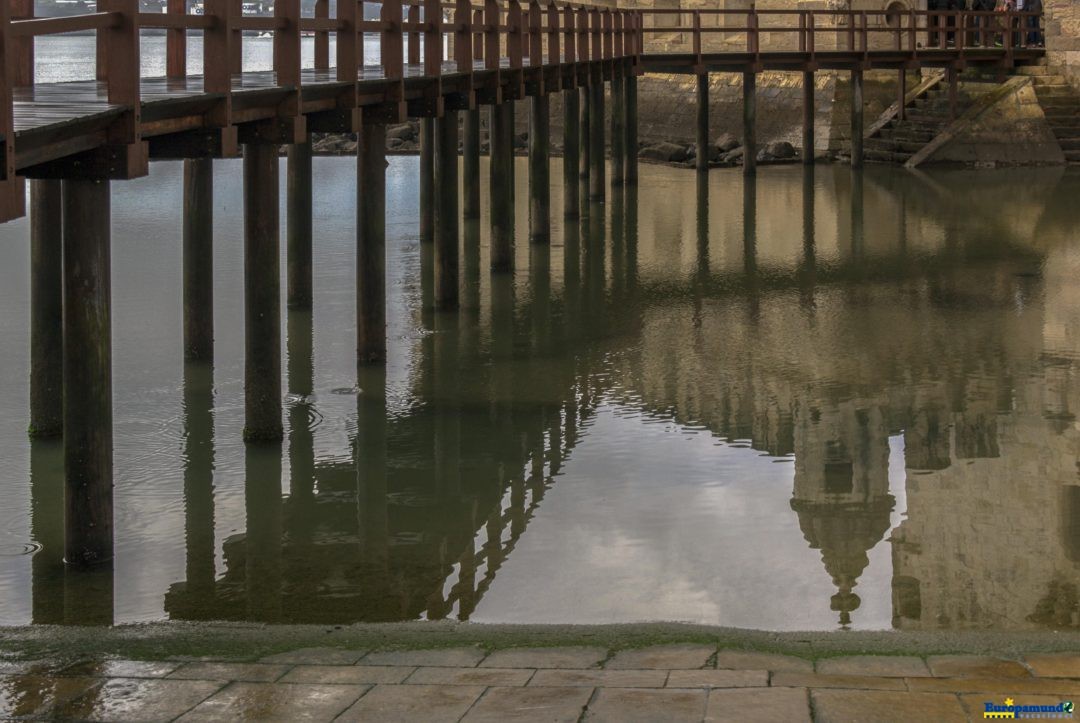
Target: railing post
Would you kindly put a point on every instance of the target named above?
(122, 57)
(492, 20)
(583, 45)
(609, 40)
(322, 37)
(391, 40)
(217, 54)
(811, 35)
(864, 34)
(414, 35)
(433, 41)
(348, 56)
(175, 42)
(536, 39)
(802, 31)
(287, 44)
(12, 188)
(23, 48)
(597, 43)
(913, 27)
(478, 34)
(850, 16)
(569, 35)
(697, 41)
(554, 55)
(514, 35)
(463, 36)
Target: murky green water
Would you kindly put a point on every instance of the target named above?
(813, 403)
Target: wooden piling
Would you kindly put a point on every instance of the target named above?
(298, 230)
(808, 118)
(46, 310)
(446, 211)
(749, 123)
(262, 295)
(571, 154)
(596, 141)
(371, 244)
(618, 129)
(585, 139)
(502, 206)
(198, 259)
(539, 170)
(88, 442)
(631, 170)
(470, 162)
(427, 180)
(856, 118)
(703, 123)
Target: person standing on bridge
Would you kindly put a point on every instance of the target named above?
(983, 23)
(1034, 22)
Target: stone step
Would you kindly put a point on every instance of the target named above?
(1072, 156)
(875, 156)
(1039, 70)
(1051, 81)
(1062, 105)
(910, 125)
(1069, 145)
(906, 137)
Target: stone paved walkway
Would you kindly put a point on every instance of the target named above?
(662, 683)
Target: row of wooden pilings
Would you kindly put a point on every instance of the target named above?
(71, 355)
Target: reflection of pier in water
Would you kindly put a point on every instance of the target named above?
(423, 519)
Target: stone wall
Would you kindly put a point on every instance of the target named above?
(1062, 20)
(667, 107)
(1007, 128)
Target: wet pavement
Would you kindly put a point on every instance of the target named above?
(684, 682)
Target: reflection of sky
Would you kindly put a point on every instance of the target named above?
(718, 545)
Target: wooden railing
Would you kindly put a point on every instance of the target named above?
(753, 32)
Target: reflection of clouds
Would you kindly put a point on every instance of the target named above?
(688, 531)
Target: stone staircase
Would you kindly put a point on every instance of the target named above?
(925, 117)
(1061, 105)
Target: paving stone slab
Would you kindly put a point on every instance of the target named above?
(1054, 665)
(596, 678)
(749, 660)
(662, 657)
(471, 676)
(514, 705)
(871, 706)
(139, 699)
(759, 705)
(121, 668)
(1006, 686)
(316, 656)
(717, 678)
(818, 680)
(570, 657)
(629, 705)
(347, 674)
(33, 695)
(243, 672)
(444, 657)
(975, 666)
(886, 666)
(276, 702)
(410, 703)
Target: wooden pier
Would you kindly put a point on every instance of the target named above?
(439, 62)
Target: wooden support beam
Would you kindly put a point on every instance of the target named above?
(749, 123)
(298, 229)
(586, 133)
(198, 259)
(571, 153)
(618, 128)
(176, 42)
(88, 442)
(46, 310)
(470, 154)
(539, 170)
(427, 180)
(371, 244)
(262, 295)
(808, 117)
(631, 171)
(703, 122)
(322, 37)
(501, 127)
(856, 118)
(446, 212)
(597, 150)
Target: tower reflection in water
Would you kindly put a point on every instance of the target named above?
(823, 327)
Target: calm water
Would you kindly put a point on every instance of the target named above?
(825, 401)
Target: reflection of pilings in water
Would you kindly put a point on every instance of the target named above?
(47, 530)
(858, 224)
(808, 266)
(595, 253)
(540, 298)
(470, 287)
(301, 505)
(750, 243)
(371, 482)
(445, 383)
(88, 595)
(618, 248)
(630, 194)
(262, 542)
(199, 478)
(427, 284)
(702, 271)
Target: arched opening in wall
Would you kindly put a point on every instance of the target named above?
(893, 12)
